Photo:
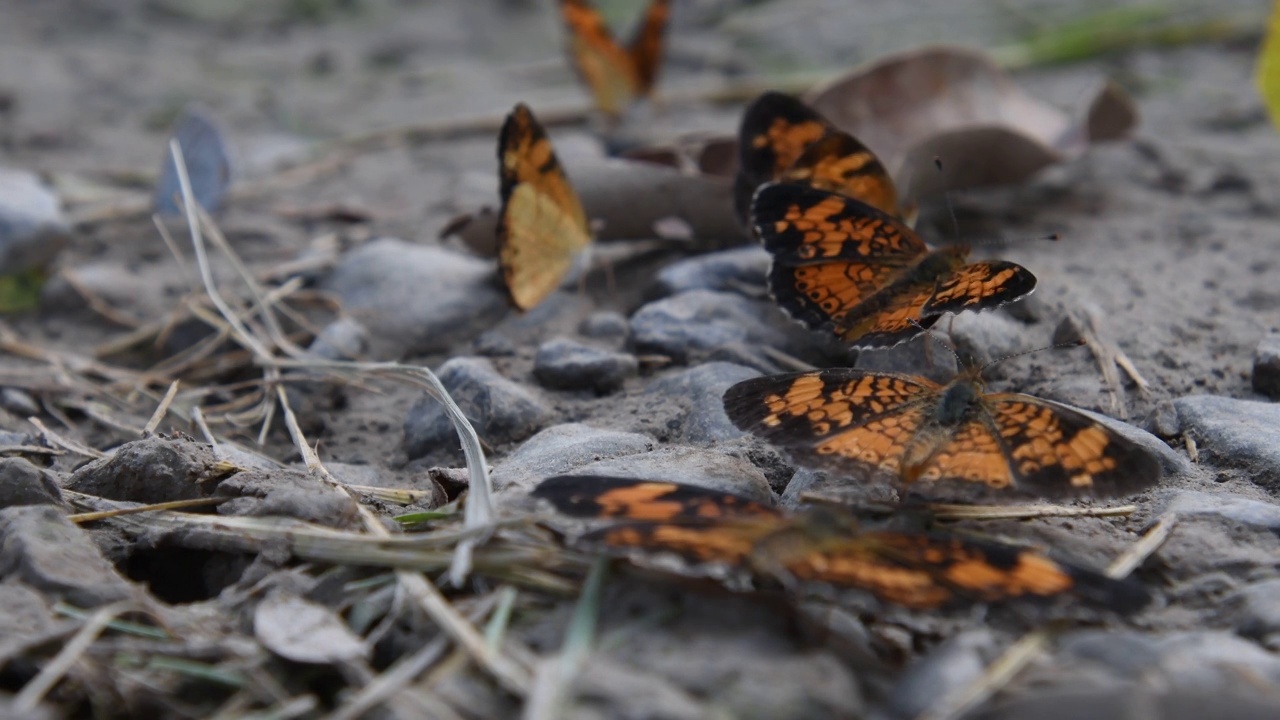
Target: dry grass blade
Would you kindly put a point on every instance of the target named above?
(945, 511)
(1138, 553)
(25, 702)
(174, 505)
(550, 696)
(161, 410)
(54, 438)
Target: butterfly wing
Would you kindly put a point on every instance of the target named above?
(646, 45)
(1056, 450)
(980, 286)
(776, 128)
(840, 164)
(606, 67)
(597, 496)
(923, 571)
(831, 253)
(542, 226)
(839, 419)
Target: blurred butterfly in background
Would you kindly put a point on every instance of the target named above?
(541, 226)
(617, 76)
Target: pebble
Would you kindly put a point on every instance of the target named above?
(725, 271)
(22, 483)
(982, 337)
(691, 466)
(207, 160)
(689, 404)
(42, 549)
(1242, 434)
(152, 470)
(1254, 611)
(500, 410)
(26, 612)
(416, 299)
(1195, 660)
(1228, 506)
(606, 325)
(562, 448)
(1266, 366)
(953, 665)
(33, 230)
(1129, 703)
(343, 339)
(687, 326)
(920, 356)
(287, 493)
(566, 364)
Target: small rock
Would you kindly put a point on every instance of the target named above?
(855, 492)
(342, 339)
(568, 365)
(26, 612)
(690, 403)
(1254, 611)
(41, 548)
(952, 665)
(19, 402)
(1163, 421)
(1266, 366)
(562, 448)
(691, 466)
(22, 483)
(1134, 702)
(606, 325)
(1228, 506)
(501, 410)
(982, 338)
(1194, 661)
(287, 493)
(32, 228)
(691, 324)
(207, 161)
(1172, 464)
(922, 355)
(746, 356)
(416, 299)
(725, 271)
(1235, 433)
(153, 470)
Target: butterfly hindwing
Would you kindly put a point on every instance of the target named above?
(615, 75)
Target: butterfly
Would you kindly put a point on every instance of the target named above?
(844, 266)
(782, 139)
(923, 434)
(617, 76)
(541, 227)
(916, 570)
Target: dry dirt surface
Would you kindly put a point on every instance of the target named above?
(316, 572)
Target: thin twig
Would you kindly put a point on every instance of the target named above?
(25, 702)
(172, 505)
(161, 410)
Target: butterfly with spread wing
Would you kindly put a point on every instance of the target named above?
(953, 438)
(915, 570)
(616, 76)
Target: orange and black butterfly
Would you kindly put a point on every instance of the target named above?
(916, 570)
(924, 435)
(844, 266)
(784, 140)
(542, 227)
(617, 76)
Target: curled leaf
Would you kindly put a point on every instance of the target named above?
(957, 106)
(302, 631)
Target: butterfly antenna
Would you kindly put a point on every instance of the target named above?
(1057, 346)
(930, 334)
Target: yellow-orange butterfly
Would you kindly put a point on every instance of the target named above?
(542, 226)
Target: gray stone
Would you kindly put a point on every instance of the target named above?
(606, 325)
(569, 365)
(207, 161)
(1195, 661)
(1227, 506)
(1254, 611)
(499, 409)
(32, 228)
(22, 483)
(697, 396)
(287, 493)
(689, 325)
(1235, 433)
(153, 470)
(923, 355)
(26, 612)
(1266, 366)
(42, 549)
(342, 339)
(562, 448)
(726, 271)
(1172, 463)
(952, 665)
(1163, 420)
(416, 299)
(982, 338)
(691, 466)
(19, 402)
(1129, 703)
